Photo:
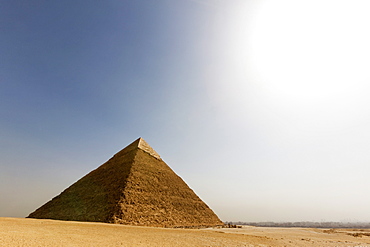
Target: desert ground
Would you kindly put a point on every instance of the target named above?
(36, 232)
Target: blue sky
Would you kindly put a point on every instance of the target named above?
(260, 106)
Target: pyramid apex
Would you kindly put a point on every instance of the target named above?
(143, 145)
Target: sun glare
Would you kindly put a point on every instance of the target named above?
(310, 51)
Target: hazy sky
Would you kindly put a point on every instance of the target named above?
(262, 107)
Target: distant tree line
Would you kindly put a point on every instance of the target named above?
(305, 224)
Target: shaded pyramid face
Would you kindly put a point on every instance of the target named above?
(134, 187)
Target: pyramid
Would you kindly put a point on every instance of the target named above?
(134, 187)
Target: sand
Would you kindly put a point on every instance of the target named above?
(37, 232)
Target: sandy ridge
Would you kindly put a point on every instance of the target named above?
(36, 232)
